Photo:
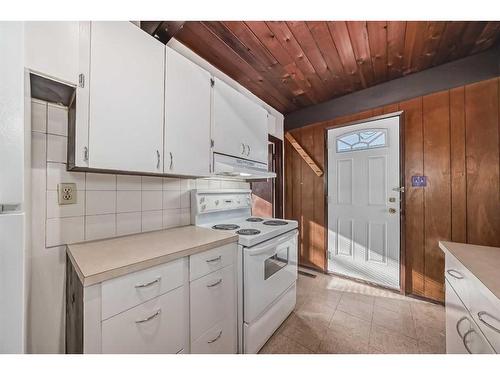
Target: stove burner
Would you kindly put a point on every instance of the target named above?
(248, 232)
(255, 219)
(225, 226)
(275, 222)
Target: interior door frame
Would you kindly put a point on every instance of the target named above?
(402, 248)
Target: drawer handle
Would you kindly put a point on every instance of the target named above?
(214, 284)
(215, 339)
(480, 316)
(149, 317)
(455, 274)
(157, 280)
(464, 340)
(458, 325)
(214, 259)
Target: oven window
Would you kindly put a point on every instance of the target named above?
(275, 263)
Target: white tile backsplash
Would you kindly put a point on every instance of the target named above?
(57, 120)
(100, 202)
(61, 231)
(39, 116)
(128, 182)
(151, 200)
(152, 183)
(57, 173)
(54, 209)
(107, 205)
(128, 223)
(171, 184)
(100, 181)
(56, 148)
(171, 199)
(171, 218)
(128, 201)
(100, 226)
(152, 220)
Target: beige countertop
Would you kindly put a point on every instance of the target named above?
(482, 261)
(98, 261)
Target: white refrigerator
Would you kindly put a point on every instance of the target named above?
(12, 192)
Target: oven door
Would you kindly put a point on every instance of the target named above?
(269, 270)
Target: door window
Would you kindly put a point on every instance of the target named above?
(361, 140)
(276, 262)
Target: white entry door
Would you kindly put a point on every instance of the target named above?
(364, 201)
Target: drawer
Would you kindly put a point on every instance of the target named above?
(133, 289)
(159, 325)
(213, 297)
(462, 334)
(485, 310)
(203, 263)
(219, 339)
(460, 279)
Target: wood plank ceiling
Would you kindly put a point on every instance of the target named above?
(295, 64)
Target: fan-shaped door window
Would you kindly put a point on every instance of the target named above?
(362, 140)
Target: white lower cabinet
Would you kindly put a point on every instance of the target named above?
(156, 326)
(162, 309)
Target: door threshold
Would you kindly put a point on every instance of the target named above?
(370, 283)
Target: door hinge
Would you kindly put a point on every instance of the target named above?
(212, 82)
(81, 80)
(330, 255)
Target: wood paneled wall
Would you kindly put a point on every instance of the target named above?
(452, 137)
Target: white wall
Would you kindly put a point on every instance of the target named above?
(107, 206)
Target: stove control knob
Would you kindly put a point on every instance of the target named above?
(217, 202)
(202, 199)
(203, 207)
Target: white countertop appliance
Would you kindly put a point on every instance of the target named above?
(267, 260)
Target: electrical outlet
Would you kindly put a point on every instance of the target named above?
(66, 193)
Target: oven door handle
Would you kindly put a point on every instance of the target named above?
(254, 251)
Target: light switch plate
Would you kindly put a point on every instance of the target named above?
(66, 193)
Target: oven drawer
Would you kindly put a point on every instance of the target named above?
(270, 269)
(460, 279)
(159, 325)
(212, 260)
(219, 339)
(130, 290)
(213, 298)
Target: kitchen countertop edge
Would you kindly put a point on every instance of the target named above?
(122, 270)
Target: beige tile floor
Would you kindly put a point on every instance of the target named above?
(335, 315)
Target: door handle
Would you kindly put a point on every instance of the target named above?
(480, 317)
(171, 160)
(243, 148)
(149, 317)
(157, 159)
(145, 285)
(248, 150)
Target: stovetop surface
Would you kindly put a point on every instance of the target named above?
(246, 228)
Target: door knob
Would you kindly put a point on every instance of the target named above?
(392, 211)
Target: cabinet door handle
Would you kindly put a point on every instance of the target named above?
(157, 159)
(214, 259)
(455, 274)
(149, 317)
(171, 160)
(458, 325)
(214, 284)
(145, 285)
(248, 150)
(216, 338)
(464, 340)
(480, 316)
(85, 153)
(243, 148)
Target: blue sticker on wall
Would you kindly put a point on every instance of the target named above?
(418, 181)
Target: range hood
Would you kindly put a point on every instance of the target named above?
(230, 166)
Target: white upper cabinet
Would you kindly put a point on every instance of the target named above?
(187, 117)
(124, 84)
(239, 124)
(51, 49)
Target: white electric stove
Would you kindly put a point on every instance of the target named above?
(267, 260)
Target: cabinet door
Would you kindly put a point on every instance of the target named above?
(239, 125)
(126, 91)
(187, 117)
